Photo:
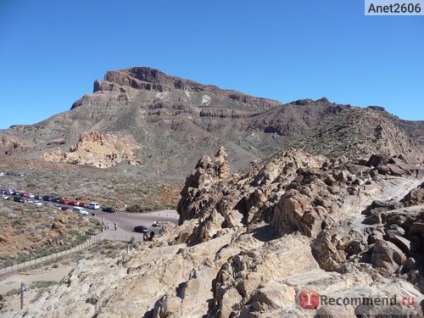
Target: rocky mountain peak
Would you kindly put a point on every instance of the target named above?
(149, 79)
(305, 102)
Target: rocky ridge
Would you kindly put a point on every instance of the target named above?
(248, 244)
(358, 133)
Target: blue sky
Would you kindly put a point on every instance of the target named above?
(52, 51)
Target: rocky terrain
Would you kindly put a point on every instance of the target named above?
(98, 150)
(29, 231)
(163, 124)
(249, 243)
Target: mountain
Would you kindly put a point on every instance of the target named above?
(161, 124)
(309, 200)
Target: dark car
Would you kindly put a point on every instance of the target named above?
(56, 200)
(18, 199)
(141, 229)
(38, 197)
(108, 209)
(47, 197)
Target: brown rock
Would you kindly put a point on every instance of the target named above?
(414, 197)
(403, 243)
(387, 255)
(378, 160)
(98, 150)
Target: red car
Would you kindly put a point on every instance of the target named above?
(25, 194)
(64, 201)
(83, 204)
(74, 203)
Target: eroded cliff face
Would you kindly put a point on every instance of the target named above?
(10, 145)
(248, 244)
(96, 149)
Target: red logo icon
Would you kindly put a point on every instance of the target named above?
(309, 299)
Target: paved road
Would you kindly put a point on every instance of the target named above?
(127, 221)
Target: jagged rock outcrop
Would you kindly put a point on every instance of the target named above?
(220, 204)
(11, 145)
(98, 150)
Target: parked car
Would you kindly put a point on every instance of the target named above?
(64, 208)
(5, 196)
(18, 199)
(24, 194)
(141, 229)
(47, 198)
(83, 204)
(56, 200)
(108, 209)
(74, 203)
(38, 197)
(93, 205)
(80, 210)
(64, 201)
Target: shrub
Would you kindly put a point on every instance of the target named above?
(134, 208)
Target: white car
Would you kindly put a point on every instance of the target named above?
(79, 210)
(93, 205)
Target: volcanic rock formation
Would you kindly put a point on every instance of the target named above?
(12, 145)
(98, 150)
(248, 244)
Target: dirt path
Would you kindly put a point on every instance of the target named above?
(14, 280)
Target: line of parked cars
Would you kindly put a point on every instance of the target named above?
(61, 203)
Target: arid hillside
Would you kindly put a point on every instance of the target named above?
(161, 124)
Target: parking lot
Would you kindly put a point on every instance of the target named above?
(125, 221)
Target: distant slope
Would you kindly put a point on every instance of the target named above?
(358, 132)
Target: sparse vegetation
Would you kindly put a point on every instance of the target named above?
(42, 284)
(35, 232)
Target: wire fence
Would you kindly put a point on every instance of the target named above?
(18, 266)
(106, 235)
